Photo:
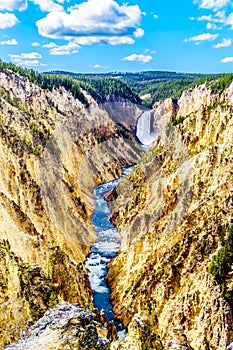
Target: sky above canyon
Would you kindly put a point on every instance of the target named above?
(108, 36)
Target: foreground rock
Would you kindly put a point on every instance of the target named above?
(67, 326)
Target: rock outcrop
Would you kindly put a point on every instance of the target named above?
(53, 151)
(174, 213)
(67, 326)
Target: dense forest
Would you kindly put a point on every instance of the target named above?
(100, 88)
(144, 88)
(150, 86)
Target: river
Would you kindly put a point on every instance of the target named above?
(103, 250)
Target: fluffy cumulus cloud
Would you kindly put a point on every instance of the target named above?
(202, 37)
(224, 43)
(8, 20)
(139, 33)
(11, 5)
(30, 59)
(9, 42)
(227, 60)
(56, 50)
(138, 58)
(212, 4)
(35, 44)
(48, 5)
(21, 5)
(92, 22)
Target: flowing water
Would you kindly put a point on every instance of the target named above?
(144, 131)
(103, 250)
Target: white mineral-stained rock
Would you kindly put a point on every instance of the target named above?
(67, 326)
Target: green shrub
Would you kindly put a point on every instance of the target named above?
(221, 262)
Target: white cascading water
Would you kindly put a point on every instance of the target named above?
(144, 129)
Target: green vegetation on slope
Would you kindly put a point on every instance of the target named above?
(102, 87)
(221, 262)
(48, 81)
(149, 87)
(144, 88)
(221, 83)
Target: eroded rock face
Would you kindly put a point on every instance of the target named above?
(174, 212)
(53, 151)
(67, 326)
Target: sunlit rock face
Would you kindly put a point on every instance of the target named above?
(174, 212)
(67, 326)
(53, 151)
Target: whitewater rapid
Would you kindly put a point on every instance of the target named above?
(103, 250)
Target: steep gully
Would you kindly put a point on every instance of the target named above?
(108, 241)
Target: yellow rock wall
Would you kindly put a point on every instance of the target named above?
(53, 151)
(173, 213)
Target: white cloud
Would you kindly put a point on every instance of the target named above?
(156, 16)
(48, 5)
(69, 49)
(210, 25)
(108, 23)
(12, 5)
(30, 59)
(9, 42)
(229, 20)
(35, 44)
(225, 43)
(30, 55)
(28, 63)
(8, 20)
(202, 37)
(21, 5)
(139, 33)
(26, 60)
(138, 58)
(112, 40)
(98, 66)
(219, 17)
(212, 4)
(227, 60)
(152, 52)
(50, 45)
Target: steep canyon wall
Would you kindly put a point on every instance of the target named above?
(174, 211)
(53, 151)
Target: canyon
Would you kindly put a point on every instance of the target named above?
(53, 151)
(173, 212)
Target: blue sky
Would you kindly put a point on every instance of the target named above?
(108, 35)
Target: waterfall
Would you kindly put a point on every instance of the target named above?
(144, 130)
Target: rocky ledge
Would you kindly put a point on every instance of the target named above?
(67, 326)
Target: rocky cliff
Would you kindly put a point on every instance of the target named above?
(53, 151)
(67, 326)
(172, 279)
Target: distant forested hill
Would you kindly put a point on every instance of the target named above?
(144, 88)
(148, 86)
